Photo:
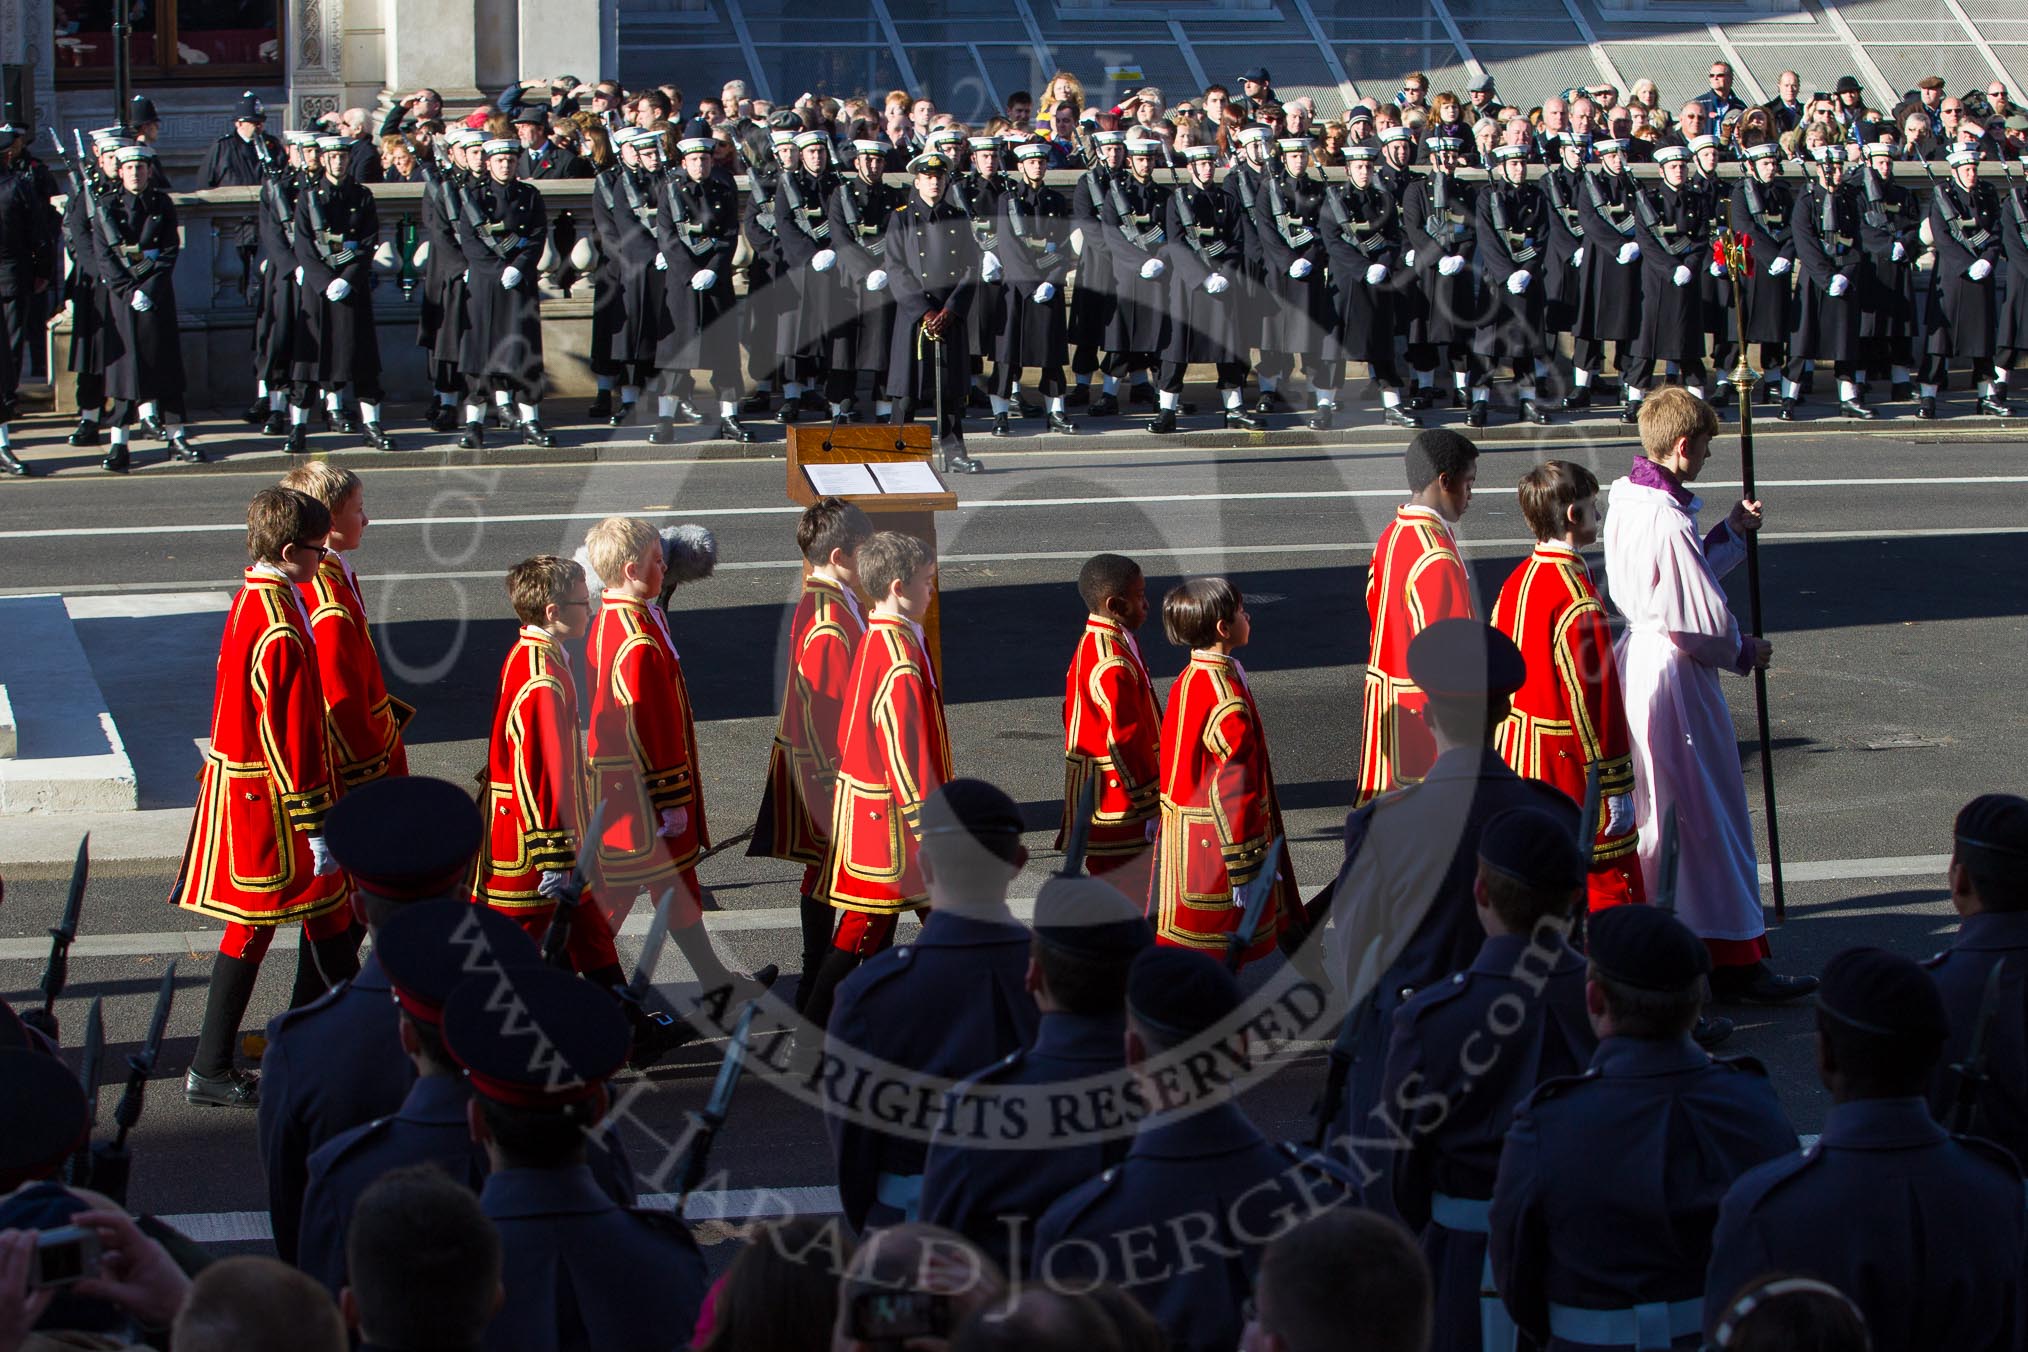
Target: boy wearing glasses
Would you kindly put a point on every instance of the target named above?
(256, 857)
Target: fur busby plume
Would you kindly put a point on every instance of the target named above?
(690, 552)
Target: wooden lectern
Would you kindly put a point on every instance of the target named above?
(847, 461)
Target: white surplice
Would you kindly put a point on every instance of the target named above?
(1679, 642)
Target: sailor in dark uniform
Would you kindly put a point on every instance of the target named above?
(137, 242)
(933, 265)
(441, 320)
(860, 211)
(90, 320)
(767, 320)
(501, 230)
(1720, 330)
(809, 263)
(1091, 307)
(1436, 220)
(978, 190)
(1181, 1222)
(337, 1062)
(275, 294)
(1889, 227)
(1512, 225)
(1988, 878)
(970, 963)
(1205, 232)
(1135, 208)
(1033, 236)
(992, 1189)
(337, 225)
(2010, 333)
(1479, 1044)
(1362, 238)
(1253, 166)
(537, 1045)
(1671, 229)
(1563, 184)
(1609, 274)
(29, 254)
(1964, 304)
(1588, 1256)
(1825, 224)
(626, 202)
(699, 232)
(1761, 205)
(1925, 1232)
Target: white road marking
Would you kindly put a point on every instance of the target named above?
(756, 919)
(974, 505)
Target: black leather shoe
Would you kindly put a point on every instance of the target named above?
(1577, 399)
(1271, 401)
(1852, 408)
(1165, 422)
(12, 464)
(182, 448)
(1711, 1030)
(1532, 412)
(473, 438)
(118, 460)
(444, 418)
(1059, 423)
(1457, 397)
(1106, 406)
(377, 437)
(533, 433)
(1243, 421)
(347, 424)
(86, 434)
(1925, 409)
(234, 1089)
(257, 412)
(621, 417)
(1079, 397)
(299, 440)
(152, 427)
(965, 464)
(1399, 417)
(1758, 985)
(1003, 425)
(276, 424)
(1901, 393)
(664, 433)
(1420, 399)
(757, 402)
(812, 401)
(788, 413)
(1788, 411)
(730, 430)
(1631, 414)
(601, 406)
(1322, 417)
(1997, 407)
(1029, 410)
(1475, 416)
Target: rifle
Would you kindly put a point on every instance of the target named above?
(1253, 899)
(556, 939)
(705, 1122)
(79, 1172)
(108, 234)
(1971, 1072)
(655, 1030)
(1080, 829)
(57, 970)
(1337, 1070)
(1672, 849)
(1587, 843)
(110, 1160)
(71, 168)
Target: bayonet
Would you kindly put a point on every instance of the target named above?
(56, 972)
(1672, 846)
(705, 1122)
(556, 939)
(110, 1159)
(1080, 829)
(1252, 899)
(88, 1078)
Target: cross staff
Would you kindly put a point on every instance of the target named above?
(1735, 251)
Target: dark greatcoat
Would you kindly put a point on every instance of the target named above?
(626, 211)
(144, 352)
(336, 342)
(860, 214)
(1609, 291)
(502, 225)
(1033, 234)
(1361, 228)
(1963, 314)
(1204, 327)
(1760, 212)
(1826, 229)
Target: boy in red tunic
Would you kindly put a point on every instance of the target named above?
(363, 721)
(643, 757)
(1219, 812)
(795, 812)
(1416, 578)
(1569, 714)
(1112, 726)
(256, 857)
(535, 790)
(893, 752)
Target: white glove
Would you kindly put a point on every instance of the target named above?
(661, 263)
(1840, 284)
(1450, 265)
(264, 267)
(321, 862)
(1408, 259)
(139, 300)
(338, 290)
(876, 280)
(510, 278)
(557, 885)
(1717, 269)
(1152, 269)
(1300, 269)
(1630, 251)
(1577, 257)
(1376, 273)
(1619, 814)
(991, 269)
(674, 819)
(299, 275)
(1517, 282)
(1898, 253)
(824, 258)
(1779, 266)
(1980, 269)
(1681, 276)
(1045, 292)
(1217, 284)
(703, 279)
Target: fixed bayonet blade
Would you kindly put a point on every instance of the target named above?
(93, 1063)
(56, 972)
(158, 1022)
(651, 947)
(730, 1069)
(1672, 846)
(1253, 899)
(1080, 828)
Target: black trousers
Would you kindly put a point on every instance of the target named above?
(1231, 376)
(1588, 354)
(1640, 372)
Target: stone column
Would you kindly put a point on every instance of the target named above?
(560, 37)
(430, 44)
(26, 41)
(316, 60)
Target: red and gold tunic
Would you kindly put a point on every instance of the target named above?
(1416, 578)
(1569, 714)
(1219, 813)
(643, 755)
(1112, 731)
(534, 779)
(893, 752)
(267, 779)
(363, 721)
(795, 812)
